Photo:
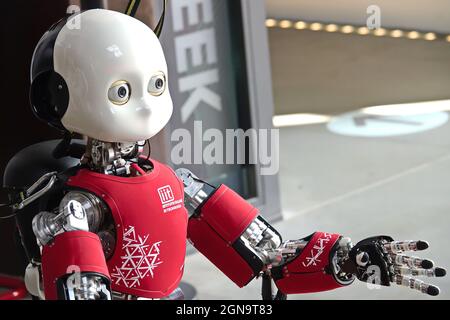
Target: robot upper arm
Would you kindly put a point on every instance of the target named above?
(228, 230)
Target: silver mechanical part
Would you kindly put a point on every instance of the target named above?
(45, 226)
(196, 191)
(362, 259)
(408, 245)
(433, 272)
(286, 252)
(92, 205)
(111, 157)
(345, 245)
(87, 287)
(342, 254)
(35, 185)
(77, 211)
(31, 194)
(265, 243)
(416, 284)
(413, 262)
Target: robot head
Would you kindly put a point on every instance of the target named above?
(103, 75)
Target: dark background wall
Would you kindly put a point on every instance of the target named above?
(22, 23)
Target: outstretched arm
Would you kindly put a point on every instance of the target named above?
(233, 236)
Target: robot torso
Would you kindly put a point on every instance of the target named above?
(150, 226)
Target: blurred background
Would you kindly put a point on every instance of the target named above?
(362, 113)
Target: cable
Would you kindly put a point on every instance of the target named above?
(9, 216)
(133, 6)
(3, 205)
(202, 181)
(149, 150)
(159, 26)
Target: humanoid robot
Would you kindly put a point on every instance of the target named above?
(114, 225)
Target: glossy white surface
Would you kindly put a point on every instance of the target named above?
(109, 47)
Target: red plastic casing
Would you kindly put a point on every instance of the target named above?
(17, 289)
(307, 273)
(222, 219)
(150, 222)
(79, 251)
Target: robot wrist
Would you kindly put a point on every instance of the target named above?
(232, 235)
(315, 266)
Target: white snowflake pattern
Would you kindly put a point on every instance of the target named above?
(139, 261)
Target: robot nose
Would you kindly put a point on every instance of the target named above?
(144, 110)
(144, 107)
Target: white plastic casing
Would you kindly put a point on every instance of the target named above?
(99, 49)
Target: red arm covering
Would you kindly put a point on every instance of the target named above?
(310, 270)
(71, 251)
(221, 220)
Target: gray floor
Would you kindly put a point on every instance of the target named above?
(359, 187)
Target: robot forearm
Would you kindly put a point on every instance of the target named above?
(74, 268)
(230, 233)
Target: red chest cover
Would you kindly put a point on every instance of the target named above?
(151, 224)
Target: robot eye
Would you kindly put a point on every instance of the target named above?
(157, 84)
(119, 92)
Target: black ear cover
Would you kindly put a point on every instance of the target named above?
(49, 97)
(49, 94)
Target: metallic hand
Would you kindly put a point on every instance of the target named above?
(381, 260)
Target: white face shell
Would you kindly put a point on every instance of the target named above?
(111, 49)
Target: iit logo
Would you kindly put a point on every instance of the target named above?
(165, 194)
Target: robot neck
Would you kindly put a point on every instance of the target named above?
(112, 158)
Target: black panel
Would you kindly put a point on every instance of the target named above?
(49, 98)
(26, 167)
(49, 95)
(252, 259)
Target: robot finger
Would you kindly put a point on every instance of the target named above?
(406, 271)
(416, 284)
(408, 245)
(412, 262)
